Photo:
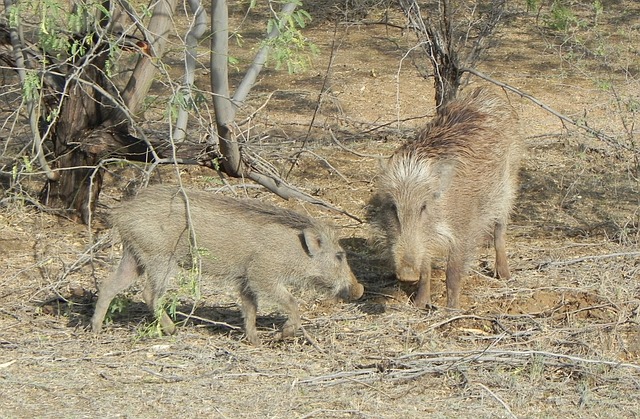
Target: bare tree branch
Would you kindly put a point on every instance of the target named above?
(261, 58)
(285, 191)
(31, 106)
(157, 33)
(195, 32)
(415, 365)
(596, 133)
(545, 265)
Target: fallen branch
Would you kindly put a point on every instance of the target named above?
(412, 366)
(545, 265)
(286, 191)
(204, 320)
(495, 396)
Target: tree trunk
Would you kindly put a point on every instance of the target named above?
(88, 129)
(224, 107)
(447, 80)
(91, 126)
(79, 184)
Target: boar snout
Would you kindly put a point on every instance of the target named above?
(356, 291)
(353, 291)
(407, 274)
(407, 268)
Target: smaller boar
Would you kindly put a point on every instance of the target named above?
(259, 248)
(447, 190)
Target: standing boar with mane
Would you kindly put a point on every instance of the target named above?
(447, 190)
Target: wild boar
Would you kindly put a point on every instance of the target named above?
(259, 248)
(448, 189)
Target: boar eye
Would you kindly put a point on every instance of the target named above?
(423, 208)
(340, 256)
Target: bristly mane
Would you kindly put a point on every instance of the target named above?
(449, 134)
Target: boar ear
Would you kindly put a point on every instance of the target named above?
(311, 241)
(444, 171)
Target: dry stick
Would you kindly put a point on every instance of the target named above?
(8, 364)
(166, 378)
(533, 353)
(413, 368)
(261, 107)
(598, 134)
(86, 257)
(506, 406)
(395, 121)
(325, 161)
(545, 265)
(211, 322)
(311, 340)
(285, 191)
(345, 148)
(461, 317)
(319, 413)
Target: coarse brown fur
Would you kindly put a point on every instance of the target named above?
(265, 250)
(447, 189)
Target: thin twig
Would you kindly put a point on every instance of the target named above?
(211, 322)
(325, 161)
(415, 365)
(311, 340)
(455, 318)
(167, 378)
(506, 406)
(545, 265)
(323, 89)
(342, 146)
(596, 133)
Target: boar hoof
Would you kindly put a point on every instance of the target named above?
(168, 327)
(253, 339)
(289, 330)
(420, 303)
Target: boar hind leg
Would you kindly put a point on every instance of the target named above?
(158, 277)
(125, 275)
(456, 270)
(502, 266)
(249, 309)
(423, 296)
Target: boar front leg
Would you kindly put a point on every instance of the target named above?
(159, 272)
(288, 302)
(249, 309)
(423, 296)
(456, 270)
(152, 298)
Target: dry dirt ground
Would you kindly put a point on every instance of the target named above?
(561, 339)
